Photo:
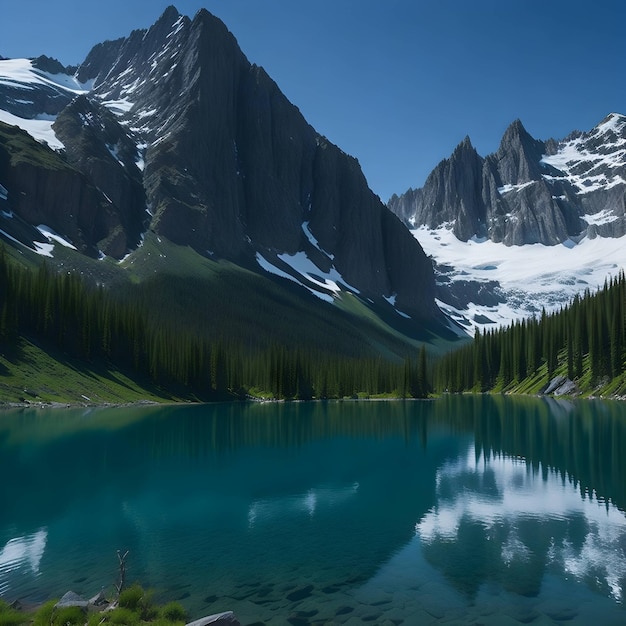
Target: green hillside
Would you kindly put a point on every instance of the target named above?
(168, 324)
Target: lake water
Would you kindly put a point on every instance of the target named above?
(487, 510)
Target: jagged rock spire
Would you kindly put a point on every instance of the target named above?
(530, 191)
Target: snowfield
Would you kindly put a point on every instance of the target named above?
(21, 74)
(530, 277)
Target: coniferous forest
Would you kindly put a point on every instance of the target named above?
(584, 342)
(94, 325)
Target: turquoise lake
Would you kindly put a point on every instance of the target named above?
(461, 510)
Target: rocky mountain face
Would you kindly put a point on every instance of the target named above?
(171, 130)
(41, 189)
(528, 191)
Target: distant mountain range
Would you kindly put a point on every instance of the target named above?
(526, 227)
(528, 191)
(170, 133)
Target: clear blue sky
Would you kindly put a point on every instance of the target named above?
(396, 83)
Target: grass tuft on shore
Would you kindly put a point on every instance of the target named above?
(135, 608)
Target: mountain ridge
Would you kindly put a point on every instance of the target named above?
(530, 191)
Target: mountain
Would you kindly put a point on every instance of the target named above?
(172, 134)
(528, 191)
(201, 239)
(525, 228)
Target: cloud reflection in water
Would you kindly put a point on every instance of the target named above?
(21, 553)
(525, 518)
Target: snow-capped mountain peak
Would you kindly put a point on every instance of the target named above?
(595, 160)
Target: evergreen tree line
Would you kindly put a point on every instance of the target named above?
(584, 339)
(90, 323)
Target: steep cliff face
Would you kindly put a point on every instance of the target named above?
(98, 146)
(530, 191)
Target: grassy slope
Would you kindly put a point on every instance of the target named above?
(218, 298)
(251, 305)
(32, 374)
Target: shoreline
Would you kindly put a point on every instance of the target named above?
(7, 406)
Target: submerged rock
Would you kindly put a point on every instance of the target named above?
(228, 617)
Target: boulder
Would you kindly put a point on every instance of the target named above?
(71, 599)
(99, 599)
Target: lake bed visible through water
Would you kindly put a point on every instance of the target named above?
(464, 509)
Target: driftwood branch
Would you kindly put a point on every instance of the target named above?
(122, 559)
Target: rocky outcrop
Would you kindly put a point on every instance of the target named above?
(70, 599)
(560, 386)
(44, 189)
(529, 191)
(452, 194)
(107, 154)
(518, 157)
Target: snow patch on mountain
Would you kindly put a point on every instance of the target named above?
(528, 278)
(301, 270)
(301, 264)
(118, 107)
(140, 160)
(392, 301)
(21, 73)
(24, 78)
(38, 129)
(53, 236)
(177, 26)
(272, 269)
(114, 151)
(326, 285)
(313, 240)
(605, 216)
(508, 188)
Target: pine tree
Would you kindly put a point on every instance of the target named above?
(422, 386)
